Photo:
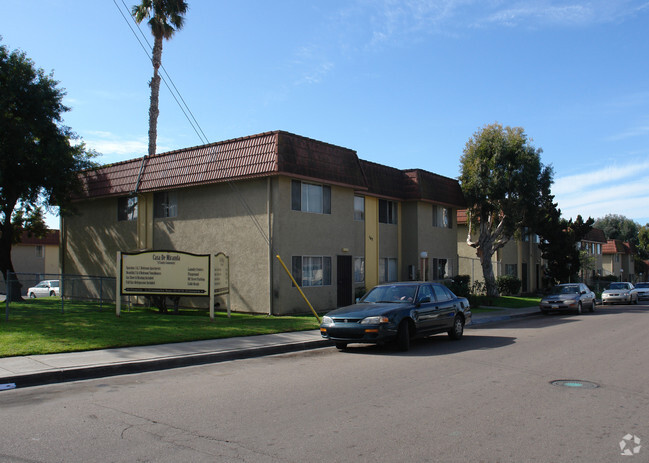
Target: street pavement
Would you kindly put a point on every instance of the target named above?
(34, 370)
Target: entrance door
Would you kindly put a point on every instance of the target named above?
(524, 277)
(345, 276)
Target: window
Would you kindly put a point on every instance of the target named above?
(359, 208)
(441, 217)
(39, 250)
(127, 208)
(359, 269)
(308, 197)
(165, 204)
(388, 211)
(312, 270)
(440, 294)
(387, 270)
(439, 268)
(511, 269)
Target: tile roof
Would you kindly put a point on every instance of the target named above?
(270, 153)
(596, 235)
(51, 238)
(429, 186)
(614, 247)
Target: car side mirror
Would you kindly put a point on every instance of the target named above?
(423, 301)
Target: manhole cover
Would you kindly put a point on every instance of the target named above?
(575, 383)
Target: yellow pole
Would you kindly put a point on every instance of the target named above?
(298, 287)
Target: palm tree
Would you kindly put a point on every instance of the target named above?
(165, 18)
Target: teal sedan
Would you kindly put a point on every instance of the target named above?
(398, 312)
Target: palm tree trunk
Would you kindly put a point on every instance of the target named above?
(155, 94)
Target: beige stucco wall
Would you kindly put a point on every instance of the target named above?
(297, 233)
(419, 235)
(212, 219)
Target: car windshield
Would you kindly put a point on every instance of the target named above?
(571, 289)
(396, 293)
(618, 286)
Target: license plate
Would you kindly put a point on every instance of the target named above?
(555, 306)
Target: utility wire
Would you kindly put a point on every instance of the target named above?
(185, 109)
(165, 78)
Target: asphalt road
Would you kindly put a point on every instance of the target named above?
(485, 398)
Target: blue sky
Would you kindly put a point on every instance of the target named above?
(404, 83)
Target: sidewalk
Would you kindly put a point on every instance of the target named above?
(34, 370)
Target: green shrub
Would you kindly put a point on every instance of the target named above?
(508, 285)
(459, 284)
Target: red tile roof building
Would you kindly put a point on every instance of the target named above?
(340, 223)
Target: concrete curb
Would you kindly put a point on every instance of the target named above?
(142, 366)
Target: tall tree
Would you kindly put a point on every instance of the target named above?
(38, 160)
(505, 184)
(643, 241)
(618, 227)
(165, 18)
(559, 245)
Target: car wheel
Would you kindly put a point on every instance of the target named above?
(52, 294)
(403, 336)
(32, 296)
(592, 306)
(579, 307)
(458, 328)
(341, 345)
(636, 301)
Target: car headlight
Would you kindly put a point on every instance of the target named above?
(327, 320)
(374, 320)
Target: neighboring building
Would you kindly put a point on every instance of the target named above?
(38, 256)
(339, 223)
(520, 258)
(593, 243)
(618, 260)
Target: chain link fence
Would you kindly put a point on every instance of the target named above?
(69, 288)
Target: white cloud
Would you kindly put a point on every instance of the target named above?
(617, 189)
(114, 148)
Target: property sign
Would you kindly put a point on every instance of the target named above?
(168, 273)
(221, 274)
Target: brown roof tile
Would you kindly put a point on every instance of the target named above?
(270, 153)
(51, 238)
(429, 186)
(596, 235)
(383, 180)
(613, 247)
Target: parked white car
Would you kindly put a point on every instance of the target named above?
(622, 292)
(44, 289)
(643, 290)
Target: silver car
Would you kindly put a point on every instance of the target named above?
(44, 288)
(643, 290)
(568, 296)
(622, 292)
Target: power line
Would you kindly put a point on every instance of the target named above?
(166, 78)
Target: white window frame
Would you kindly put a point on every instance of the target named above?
(305, 270)
(359, 269)
(388, 269)
(165, 204)
(359, 208)
(313, 197)
(127, 208)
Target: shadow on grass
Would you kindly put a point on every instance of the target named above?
(39, 327)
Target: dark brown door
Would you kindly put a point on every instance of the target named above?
(345, 277)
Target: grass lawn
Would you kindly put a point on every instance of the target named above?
(39, 327)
